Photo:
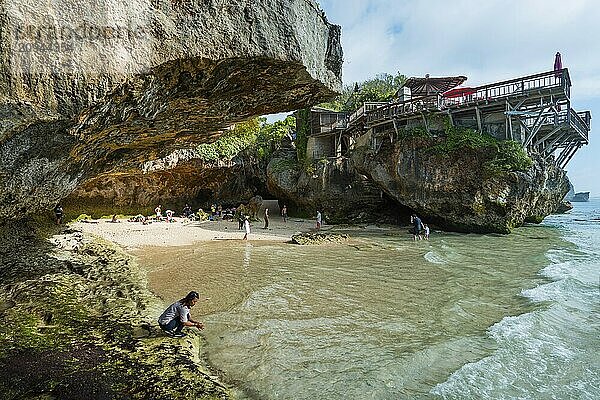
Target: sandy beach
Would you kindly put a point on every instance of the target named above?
(133, 235)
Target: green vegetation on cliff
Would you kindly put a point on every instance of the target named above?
(254, 136)
(380, 88)
(504, 155)
(302, 133)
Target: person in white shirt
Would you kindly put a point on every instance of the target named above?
(246, 227)
(266, 219)
(318, 219)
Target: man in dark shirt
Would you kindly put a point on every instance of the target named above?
(58, 213)
(417, 226)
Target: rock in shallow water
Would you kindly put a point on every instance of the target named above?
(318, 238)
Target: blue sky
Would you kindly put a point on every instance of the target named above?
(487, 41)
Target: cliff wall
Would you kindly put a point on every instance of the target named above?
(456, 191)
(101, 87)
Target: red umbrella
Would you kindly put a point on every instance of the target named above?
(557, 65)
(459, 92)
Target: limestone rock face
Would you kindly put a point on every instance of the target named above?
(456, 193)
(100, 87)
(335, 187)
(171, 182)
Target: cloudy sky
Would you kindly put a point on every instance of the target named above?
(487, 41)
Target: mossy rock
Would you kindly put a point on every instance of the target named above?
(318, 238)
(534, 219)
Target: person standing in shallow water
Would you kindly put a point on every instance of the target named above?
(177, 315)
(246, 228)
(319, 219)
(417, 226)
(284, 213)
(266, 218)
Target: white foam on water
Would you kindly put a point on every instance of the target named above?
(529, 363)
(549, 353)
(434, 258)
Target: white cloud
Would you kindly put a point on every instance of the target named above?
(487, 40)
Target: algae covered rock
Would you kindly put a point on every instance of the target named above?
(319, 238)
(79, 322)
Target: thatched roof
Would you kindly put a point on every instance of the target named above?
(428, 85)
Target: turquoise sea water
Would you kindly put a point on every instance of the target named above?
(383, 317)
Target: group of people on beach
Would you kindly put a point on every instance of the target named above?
(244, 222)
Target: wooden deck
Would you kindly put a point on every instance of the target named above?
(534, 110)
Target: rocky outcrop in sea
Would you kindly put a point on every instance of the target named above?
(454, 192)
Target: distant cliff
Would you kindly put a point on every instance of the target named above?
(581, 197)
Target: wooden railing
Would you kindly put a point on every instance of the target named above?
(365, 108)
(341, 123)
(495, 91)
(586, 116)
(416, 104)
(579, 123)
(514, 87)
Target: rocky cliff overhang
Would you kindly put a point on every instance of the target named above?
(89, 89)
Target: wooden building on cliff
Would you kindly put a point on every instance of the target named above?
(534, 110)
(325, 129)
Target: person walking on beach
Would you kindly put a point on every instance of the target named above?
(266, 218)
(158, 211)
(417, 226)
(240, 220)
(177, 315)
(58, 214)
(246, 227)
(426, 228)
(319, 219)
(284, 213)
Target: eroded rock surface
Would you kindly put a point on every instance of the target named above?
(454, 192)
(318, 238)
(335, 187)
(79, 322)
(101, 88)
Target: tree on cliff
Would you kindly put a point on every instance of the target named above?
(380, 88)
(255, 137)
